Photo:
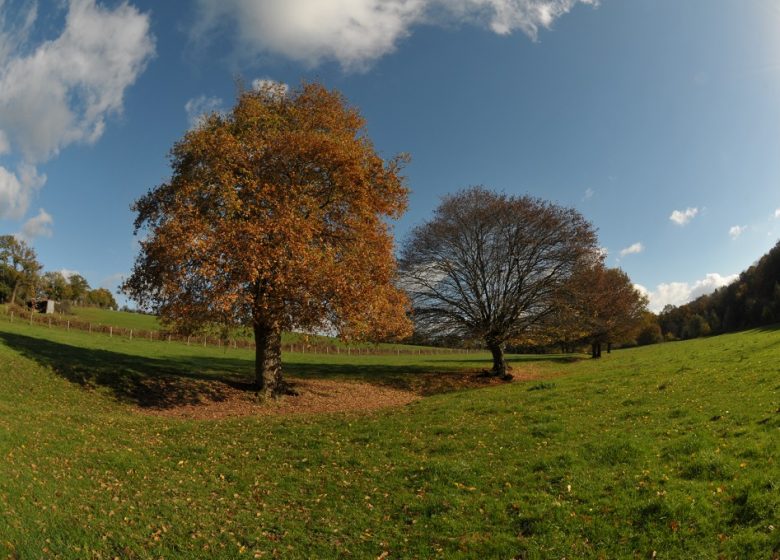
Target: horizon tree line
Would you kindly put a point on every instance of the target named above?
(21, 280)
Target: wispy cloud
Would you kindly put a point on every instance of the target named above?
(588, 194)
(63, 90)
(199, 107)
(679, 293)
(777, 213)
(632, 249)
(682, 217)
(736, 231)
(111, 282)
(263, 83)
(38, 226)
(356, 33)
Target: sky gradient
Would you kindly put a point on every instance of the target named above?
(659, 120)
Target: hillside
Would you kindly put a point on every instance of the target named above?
(667, 451)
(752, 300)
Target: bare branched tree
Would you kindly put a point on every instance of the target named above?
(488, 266)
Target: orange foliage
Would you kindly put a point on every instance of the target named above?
(275, 215)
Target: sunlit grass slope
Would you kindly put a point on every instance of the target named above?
(669, 450)
(143, 322)
(113, 318)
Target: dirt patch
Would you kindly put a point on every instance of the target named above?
(317, 396)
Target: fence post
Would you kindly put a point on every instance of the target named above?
(111, 332)
(131, 334)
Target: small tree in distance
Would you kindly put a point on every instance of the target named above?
(605, 305)
(275, 218)
(490, 266)
(19, 267)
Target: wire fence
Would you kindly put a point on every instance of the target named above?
(205, 340)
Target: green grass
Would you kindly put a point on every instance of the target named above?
(112, 318)
(670, 449)
(142, 322)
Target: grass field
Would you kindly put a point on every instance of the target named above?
(143, 322)
(668, 451)
(121, 319)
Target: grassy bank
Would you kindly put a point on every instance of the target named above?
(669, 449)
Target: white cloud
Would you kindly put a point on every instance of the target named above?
(358, 32)
(68, 273)
(632, 250)
(62, 90)
(17, 188)
(736, 231)
(682, 217)
(678, 293)
(38, 226)
(199, 107)
(777, 213)
(261, 83)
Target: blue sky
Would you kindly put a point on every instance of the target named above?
(658, 119)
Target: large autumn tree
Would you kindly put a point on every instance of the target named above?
(490, 266)
(275, 217)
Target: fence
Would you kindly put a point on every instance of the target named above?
(53, 321)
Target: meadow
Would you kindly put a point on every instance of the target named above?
(142, 325)
(665, 451)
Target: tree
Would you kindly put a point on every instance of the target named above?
(608, 306)
(55, 286)
(650, 330)
(19, 265)
(79, 288)
(275, 218)
(489, 266)
(101, 297)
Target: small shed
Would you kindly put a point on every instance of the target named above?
(45, 306)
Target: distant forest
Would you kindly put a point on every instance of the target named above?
(751, 301)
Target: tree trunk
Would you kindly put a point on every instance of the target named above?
(595, 350)
(268, 359)
(609, 348)
(499, 363)
(13, 294)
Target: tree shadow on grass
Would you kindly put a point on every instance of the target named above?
(187, 380)
(427, 376)
(141, 381)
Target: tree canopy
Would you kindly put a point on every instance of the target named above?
(19, 269)
(490, 266)
(275, 217)
(605, 306)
